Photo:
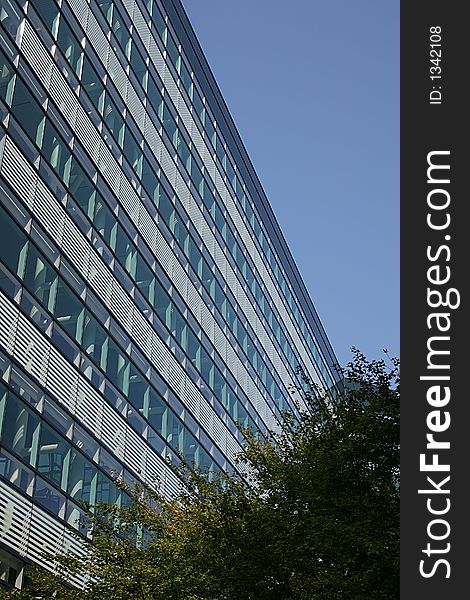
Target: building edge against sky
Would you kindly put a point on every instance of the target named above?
(148, 300)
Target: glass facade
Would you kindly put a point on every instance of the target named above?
(149, 304)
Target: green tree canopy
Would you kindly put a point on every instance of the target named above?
(319, 520)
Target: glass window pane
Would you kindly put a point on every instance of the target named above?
(186, 80)
(199, 106)
(158, 21)
(194, 254)
(150, 181)
(210, 131)
(49, 13)
(139, 391)
(105, 222)
(158, 413)
(139, 67)
(145, 280)
(13, 243)
(121, 33)
(6, 78)
(169, 124)
(206, 463)
(69, 311)
(155, 97)
(165, 207)
(162, 301)
(219, 384)
(117, 367)
(81, 188)
(15, 472)
(40, 278)
(174, 432)
(149, 5)
(92, 85)
(193, 348)
(85, 442)
(106, 491)
(113, 119)
(52, 455)
(183, 152)
(82, 477)
(172, 49)
(10, 17)
(46, 495)
(107, 8)
(207, 368)
(230, 173)
(56, 152)
(70, 47)
(132, 152)
(126, 252)
(20, 429)
(27, 112)
(94, 340)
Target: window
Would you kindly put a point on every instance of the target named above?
(120, 31)
(165, 206)
(126, 252)
(158, 413)
(184, 153)
(138, 391)
(172, 49)
(169, 124)
(185, 77)
(162, 301)
(106, 491)
(210, 131)
(159, 21)
(197, 178)
(107, 9)
(49, 13)
(199, 107)
(81, 189)
(15, 472)
(207, 368)
(193, 348)
(113, 119)
(155, 98)
(6, 78)
(95, 340)
(117, 367)
(139, 67)
(56, 152)
(145, 280)
(69, 311)
(10, 17)
(49, 497)
(40, 278)
(28, 112)
(71, 49)
(82, 478)
(132, 152)
(105, 222)
(92, 85)
(53, 457)
(20, 429)
(13, 244)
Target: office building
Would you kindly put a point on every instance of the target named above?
(148, 301)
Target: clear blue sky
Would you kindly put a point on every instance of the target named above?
(313, 87)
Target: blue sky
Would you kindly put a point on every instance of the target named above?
(313, 87)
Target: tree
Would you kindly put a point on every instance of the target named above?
(319, 520)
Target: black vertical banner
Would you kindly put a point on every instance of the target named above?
(435, 236)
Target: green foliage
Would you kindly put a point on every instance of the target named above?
(320, 520)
